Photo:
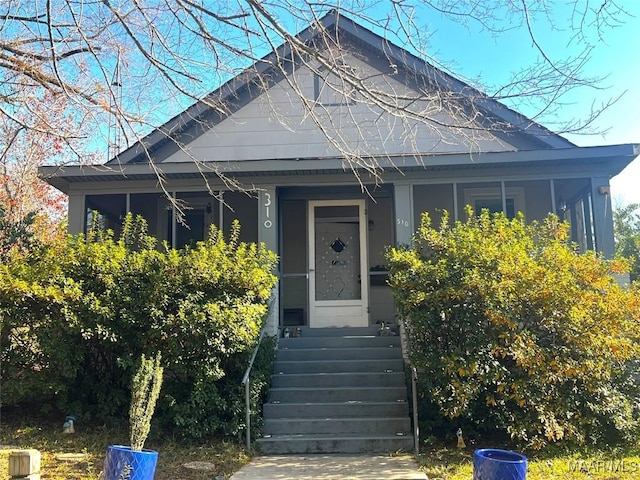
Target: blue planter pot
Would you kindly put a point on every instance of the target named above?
(121, 459)
(494, 464)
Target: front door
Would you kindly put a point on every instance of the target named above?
(338, 290)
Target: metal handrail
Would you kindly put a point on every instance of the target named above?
(247, 388)
(246, 382)
(404, 343)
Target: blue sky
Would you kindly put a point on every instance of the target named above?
(475, 53)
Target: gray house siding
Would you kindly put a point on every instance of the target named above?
(276, 122)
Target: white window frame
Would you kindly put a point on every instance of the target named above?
(472, 195)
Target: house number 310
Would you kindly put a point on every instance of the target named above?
(267, 203)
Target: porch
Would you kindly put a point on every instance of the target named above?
(331, 238)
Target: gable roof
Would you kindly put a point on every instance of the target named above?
(336, 24)
(533, 145)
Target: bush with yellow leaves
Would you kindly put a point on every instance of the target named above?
(513, 330)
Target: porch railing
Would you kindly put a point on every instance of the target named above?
(246, 379)
(404, 341)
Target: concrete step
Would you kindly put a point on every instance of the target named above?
(338, 366)
(342, 379)
(337, 390)
(337, 394)
(336, 409)
(338, 342)
(305, 332)
(325, 443)
(345, 425)
(304, 354)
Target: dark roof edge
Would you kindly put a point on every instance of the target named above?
(60, 176)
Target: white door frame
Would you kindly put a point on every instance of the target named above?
(339, 313)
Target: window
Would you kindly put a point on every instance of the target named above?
(193, 229)
(105, 212)
(491, 200)
(200, 210)
(494, 206)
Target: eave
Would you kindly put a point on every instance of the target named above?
(611, 159)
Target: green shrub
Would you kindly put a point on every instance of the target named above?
(77, 315)
(37, 356)
(514, 331)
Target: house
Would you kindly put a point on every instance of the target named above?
(329, 185)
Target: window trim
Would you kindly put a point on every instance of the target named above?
(472, 195)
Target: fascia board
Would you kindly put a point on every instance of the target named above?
(625, 152)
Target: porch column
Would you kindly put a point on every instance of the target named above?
(602, 216)
(403, 207)
(76, 213)
(268, 234)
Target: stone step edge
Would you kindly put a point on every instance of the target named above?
(339, 376)
(333, 388)
(327, 374)
(337, 342)
(393, 339)
(338, 349)
(333, 419)
(334, 404)
(360, 360)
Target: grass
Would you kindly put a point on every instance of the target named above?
(587, 463)
(89, 445)
(440, 462)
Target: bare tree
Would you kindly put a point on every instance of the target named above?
(131, 65)
(51, 137)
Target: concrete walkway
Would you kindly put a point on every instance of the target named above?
(326, 467)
